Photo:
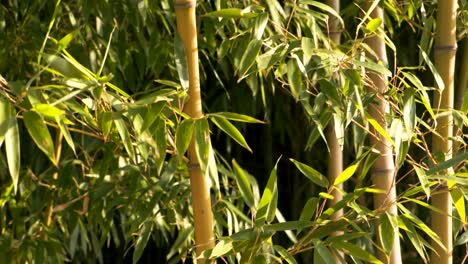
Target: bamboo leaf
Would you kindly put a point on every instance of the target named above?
(285, 254)
(437, 77)
(380, 130)
(243, 183)
(324, 253)
(309, 209)
(409, 112)
(459, 201)
(373, 66)
(423, 180)
(346, 174)
(294, 78)
(202, 142)
(236, 117)
(231, 130)
(248, 59)
(463, 156)
(313, 175)
(290, 225)
(221, 248)
(65, 132)
(323, 7)
(373, 24)
(232, 13)
(48, 110)
(386, 233)
(462, 239)
(356, 251)
(5, 116)
(184, 136)
(40, 134)
(12, 147)
(125, 136)
(267, 206)
(142, 240)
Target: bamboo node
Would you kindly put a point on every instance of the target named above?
(193, 166)
(184, 4)
(446, 48)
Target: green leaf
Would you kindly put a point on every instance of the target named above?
(249, 56)
(267, 206)
(12, 147)
(324, 7)
(236, 117)
(459, 201)
(437, 77)
(285, 254)
(65, 132)
(409, 112)
(356, 251)
(386, 233)
(423, 180)
(373, 24)
(248, 12)
(243, 183)
(324, 253)
(105, 122)
(373, 67)
(272, 56)
(40, 134)
(48, 110)
(417, 241)
(142, 240)
(152, 114)
(231, 130)
(290, 225)
(294, 78)
(202, 142)
(313, 175)
(184, 136)
(309, 209)
(463, 156)
(125, 136)
(221, 248)
(380, 130)
(5, 116)
(346, 174)
(462, 239)
(182, 238)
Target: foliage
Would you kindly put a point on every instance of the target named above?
(94, 134)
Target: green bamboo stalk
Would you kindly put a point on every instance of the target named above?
(335, 156)
(383, 172)
(201, 202)
(445, 53)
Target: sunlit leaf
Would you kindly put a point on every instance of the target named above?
(248, 58)
(184, 136)
(221, 248)
(40, 134)
(125, 136)
(373, 24)
(12, 145)
(236, 117)
(285, 254)
(202, 142)
(267, 206)
(380, 130)
(243, 183)
(313, 175)
(356, 251)
(231, 130)
(346, 174)
(294, 78)
(142, 240)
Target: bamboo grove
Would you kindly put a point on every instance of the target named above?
(224, 131)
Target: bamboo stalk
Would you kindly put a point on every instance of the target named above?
(445, 53)
(201, 202)
(335, 156)
(383, 172)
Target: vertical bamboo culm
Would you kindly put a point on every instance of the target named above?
(383, 171)
(335, 157)
(445, 52)
(201, 202)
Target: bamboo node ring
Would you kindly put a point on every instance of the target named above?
(446, 47)
(184, 4)
(193, 165)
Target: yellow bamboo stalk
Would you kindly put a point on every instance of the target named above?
(383, 171)
(445, 53)
(335, 156)
(201, 202)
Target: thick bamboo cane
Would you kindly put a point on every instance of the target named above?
(335, 156)
(383, 171)
(445, 53)
(201, 203)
